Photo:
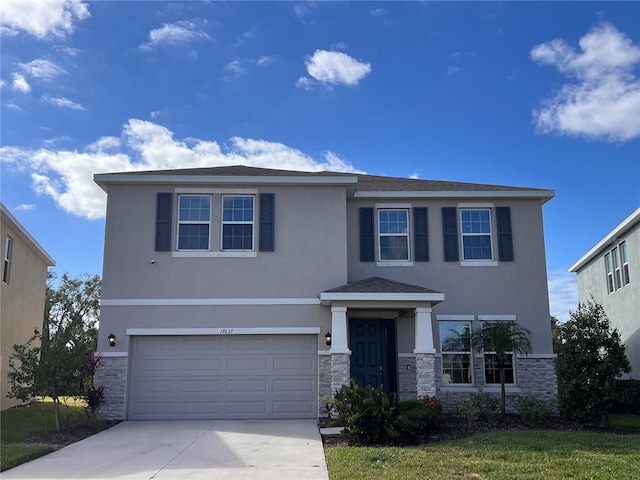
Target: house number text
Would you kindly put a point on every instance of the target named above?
(226, 331)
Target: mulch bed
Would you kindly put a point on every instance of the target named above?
(68, 435)
(452, 429)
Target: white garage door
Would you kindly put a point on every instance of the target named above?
(234, 377)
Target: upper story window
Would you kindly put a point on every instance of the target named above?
(194, 222)
(393, 231)
(609, 268)
(616, 263)
(237, 222)
(6, 269)
(625, 263)
(476, 234)
(455, 345)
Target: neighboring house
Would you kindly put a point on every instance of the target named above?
(22, 295)
(220, 285)
(610, 273)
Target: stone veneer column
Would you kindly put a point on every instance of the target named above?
(112, 375)
(425, 353)
(340, 354)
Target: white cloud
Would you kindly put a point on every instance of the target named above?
(182, 32)
(67, 176)
(62, 102)
(603, 101)
(25, 207)
(42, 69)
(44, 19)
(236, 68)
(20, 83)
(339, 46)
(336, 68)
(302, 10)
(72, 52)
(305, 83)
(14, 107)
(265, 60)
(415, 175)
(3, 84)
(453, 70)
(378, 12)
(104, 144)
(563, 293)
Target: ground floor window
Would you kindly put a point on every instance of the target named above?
(455, 345)
(491, 371)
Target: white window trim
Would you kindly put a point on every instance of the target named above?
(400, 262)
(192, 222)
(224, 254)
(608, 267)
(617, 273)
(6, 264)
(456, 319)
(624, 260)
(231, 222)
(475, 262)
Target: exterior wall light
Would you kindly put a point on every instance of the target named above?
(327, 338)
(112, 340)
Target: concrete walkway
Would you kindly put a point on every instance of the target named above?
(192, 449)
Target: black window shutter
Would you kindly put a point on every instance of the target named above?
(367, 243)
(267, 231)
(420, 234)
(163, 222)
(450, 232)
(505, 238)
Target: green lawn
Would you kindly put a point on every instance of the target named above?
(625, 421)
(18, 424)
(530, 455)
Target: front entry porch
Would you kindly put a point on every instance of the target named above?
(367, 317)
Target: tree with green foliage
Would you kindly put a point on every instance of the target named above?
(591, 357)
(556, 326)
(59, 365)
(503, 338)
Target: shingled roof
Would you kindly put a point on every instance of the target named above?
(363, 182)
(379, 285)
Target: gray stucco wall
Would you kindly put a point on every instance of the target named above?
(622, 306)
(511, 288)
(309, 257)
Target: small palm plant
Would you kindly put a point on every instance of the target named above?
(503, 338)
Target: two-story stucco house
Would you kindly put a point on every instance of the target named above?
(609, 274)
(22, 292)
(239, 292)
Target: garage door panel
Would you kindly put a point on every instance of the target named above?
(297, 364)
(293, 385)
(293, 409)
(247, 386)
(208, 377)
(258, 364)
(200, 364)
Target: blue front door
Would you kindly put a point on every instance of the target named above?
(373, 352)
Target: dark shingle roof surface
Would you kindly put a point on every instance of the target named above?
(380, 285)
(373, 183)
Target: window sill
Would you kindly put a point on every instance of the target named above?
(214, 254)
(496, 389)
(392, 263)
(478, 263)
(450, 387)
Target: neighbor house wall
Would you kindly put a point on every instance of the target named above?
(622, 306)
(22, 297)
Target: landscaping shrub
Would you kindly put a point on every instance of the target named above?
(433, 412)
(474, 406)
(533, 411)
(371, 416)
(627, 396)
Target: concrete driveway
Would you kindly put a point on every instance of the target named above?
(192, 449)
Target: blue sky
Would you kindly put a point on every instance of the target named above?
(538, 94)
